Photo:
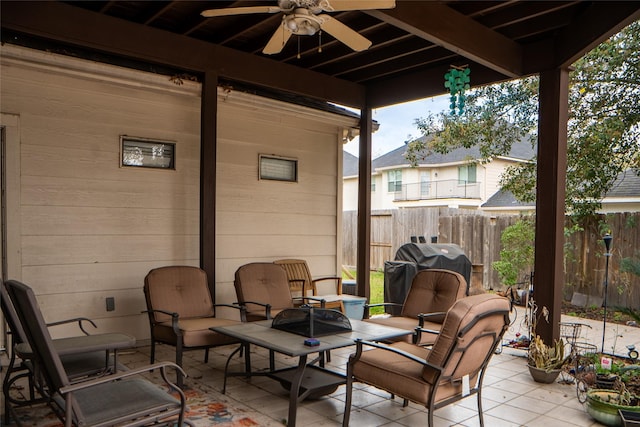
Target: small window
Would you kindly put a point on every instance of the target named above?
(278, 168)
(395, 180)
(147, 153)
(425, 183)
(467, 174)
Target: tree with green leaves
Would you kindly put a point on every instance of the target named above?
(603, 127)
(516, 255)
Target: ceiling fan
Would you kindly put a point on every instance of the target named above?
(305, 18)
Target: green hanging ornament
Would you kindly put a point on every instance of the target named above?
(457, 81)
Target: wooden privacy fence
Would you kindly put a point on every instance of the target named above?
(478, 234)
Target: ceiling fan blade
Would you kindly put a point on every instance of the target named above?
(277, 41)
(239, 11)
(342, 5)
(345, 34)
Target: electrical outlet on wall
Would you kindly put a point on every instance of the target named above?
(111, 303)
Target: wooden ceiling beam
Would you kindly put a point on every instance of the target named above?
(599, 22)
(75, 26)
(424, 84)
(444, 26)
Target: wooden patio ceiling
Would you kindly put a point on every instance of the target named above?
(414, 44)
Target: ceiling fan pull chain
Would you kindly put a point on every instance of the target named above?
(298, 47)
(319, 41)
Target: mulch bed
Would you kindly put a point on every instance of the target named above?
(596, 313)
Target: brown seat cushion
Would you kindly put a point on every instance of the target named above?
(196, 332)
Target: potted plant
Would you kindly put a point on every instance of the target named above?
(545, 362)
(608, 406)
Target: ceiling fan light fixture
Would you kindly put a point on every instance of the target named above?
(302, 25)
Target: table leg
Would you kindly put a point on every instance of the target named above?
(296, 381)
(247, 364)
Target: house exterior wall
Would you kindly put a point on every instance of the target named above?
(350, 193)
(442, 178)
(82, 228)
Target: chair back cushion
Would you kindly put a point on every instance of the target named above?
(469, 335)
(263, 282)
(297, 273)
(180, 289)
(432, 291)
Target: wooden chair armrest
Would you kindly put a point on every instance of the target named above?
(319, 299)
(75, 319)
(337, 279)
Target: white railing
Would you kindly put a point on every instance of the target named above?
(445, 189)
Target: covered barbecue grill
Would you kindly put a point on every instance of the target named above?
(413, 257)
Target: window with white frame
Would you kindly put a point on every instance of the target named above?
(425, 183)
(466, 174)
(395, 180)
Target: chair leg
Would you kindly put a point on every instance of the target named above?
(153, 351)
(347, 400)
(206, 355)
(179, 379)
(480, 415)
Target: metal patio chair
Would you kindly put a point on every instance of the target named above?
(181, 311)
(123, 398)
(445, 373)
(431, 295)
(79, 362)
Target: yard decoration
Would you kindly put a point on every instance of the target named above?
(457, 81)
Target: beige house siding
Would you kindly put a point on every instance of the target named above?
(90, 229)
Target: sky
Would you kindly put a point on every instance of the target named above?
(397, 124)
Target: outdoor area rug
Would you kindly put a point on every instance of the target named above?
(205, 408)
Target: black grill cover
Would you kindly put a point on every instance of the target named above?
(398, 276)
(444, 256)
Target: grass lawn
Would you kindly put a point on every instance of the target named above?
(376, 289)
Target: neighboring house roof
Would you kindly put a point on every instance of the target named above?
(627, 184)
(349, 164)
(521, 150)
(505, 199)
